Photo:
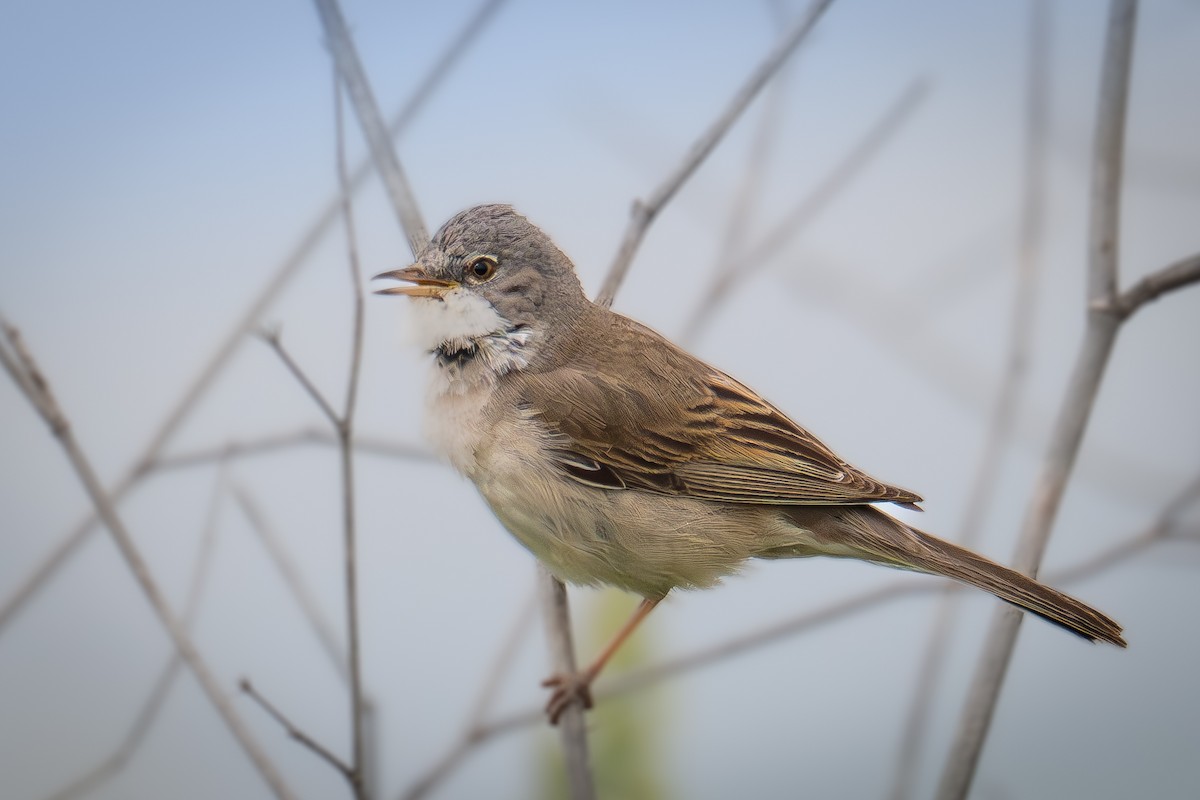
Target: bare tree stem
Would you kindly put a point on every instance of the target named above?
(746, 196)
(150, 708)
(371, 445)
(345, 431)
(1182, 273)
(283, 562)
(1102, 328)
(383, 153)
(1004, 412)
(25, 373)
(571, 725)
(644, 212)
(483, 701)
(295, 732)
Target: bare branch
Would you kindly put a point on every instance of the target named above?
(153, 704)
(313, 234)
(294, 732)
(371, 445)
(271, 337)
(644, 212)
(404, 202)
(1182, 273)
(28, 377)
(1004, 413)
(572, 727)
(746, 196)
(483, 701)
(292, 579)
(842, 175)
(1080, 398)
(345, 431)
(356, 282)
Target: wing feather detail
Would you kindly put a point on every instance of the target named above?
(693, 431)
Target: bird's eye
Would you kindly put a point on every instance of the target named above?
(481, 268)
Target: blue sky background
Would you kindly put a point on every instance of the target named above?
(160, 159)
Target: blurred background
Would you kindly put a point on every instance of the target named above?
(160, 161)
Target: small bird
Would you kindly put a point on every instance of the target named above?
(618, 458)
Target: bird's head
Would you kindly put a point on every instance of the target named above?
(488, 271)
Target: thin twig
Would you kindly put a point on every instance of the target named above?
(1067, 435)
(1159, 530)
(153, 704)
(280, 277)
(383, 153)
(644, 212)
(503, 659)
(1004, 412)
(949, 369)
(571, 725)
(747, 194)
(294, 732)
(1182, 273)
(271, 337)
(793, 222)
(292, 579)
(370, 445)
(25, 373)
(345, 431)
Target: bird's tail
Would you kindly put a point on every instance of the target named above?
(886, 540)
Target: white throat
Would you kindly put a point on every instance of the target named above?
(471, 343)
(473, 346)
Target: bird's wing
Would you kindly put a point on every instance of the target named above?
(684, 428)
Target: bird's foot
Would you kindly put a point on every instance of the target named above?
(567, 689)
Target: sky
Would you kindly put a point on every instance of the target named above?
(161, 160)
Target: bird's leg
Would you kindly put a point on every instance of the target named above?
(568, 687)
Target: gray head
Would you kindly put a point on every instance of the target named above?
(493, 253)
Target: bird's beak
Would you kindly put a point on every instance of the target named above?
(425, 285)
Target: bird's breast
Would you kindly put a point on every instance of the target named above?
(456, 419)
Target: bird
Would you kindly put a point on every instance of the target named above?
(617, 458)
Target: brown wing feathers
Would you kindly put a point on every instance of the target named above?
(728, 444)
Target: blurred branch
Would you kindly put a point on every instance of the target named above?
(372, 445)
(1182, 273)
(949, 369)
(153, 704)
(503, 659)
(345, 424)
(272, 288)
(294, 732)
(644, 212)
(770, 245)
(572, 726)
(747, 193)
(383, 153)
(278, 553)
(1102, 329)
(1004, 412)
(272, 338)
(19, 364)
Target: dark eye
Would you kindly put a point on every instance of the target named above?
(481, 268)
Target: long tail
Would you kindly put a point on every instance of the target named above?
(880, 538)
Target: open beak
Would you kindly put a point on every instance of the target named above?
(425, 286)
